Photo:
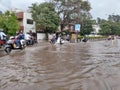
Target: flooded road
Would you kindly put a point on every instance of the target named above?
(74, 66)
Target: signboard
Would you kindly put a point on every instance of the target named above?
(77, 27)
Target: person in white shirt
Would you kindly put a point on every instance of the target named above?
(28, 38)
(2, 38)
(2, 35)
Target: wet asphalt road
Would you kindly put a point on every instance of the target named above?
(71, 66)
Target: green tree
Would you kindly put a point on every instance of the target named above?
(114, 18)
(115, 28)
(72, 11)
(45, 17)
(86, 27)
(115, 24)
(105, 27)
(9, 23)
(2, 25)
(110, 26)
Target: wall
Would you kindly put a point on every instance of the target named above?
(41, 36)
(28, 27)
(96, 28)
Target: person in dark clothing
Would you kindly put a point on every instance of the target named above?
(85, 39)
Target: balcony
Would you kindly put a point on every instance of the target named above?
(19, 15)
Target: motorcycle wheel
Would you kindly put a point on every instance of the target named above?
(8, 50)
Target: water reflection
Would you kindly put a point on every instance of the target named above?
(91, 66)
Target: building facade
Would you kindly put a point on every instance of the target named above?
(26, 22)
(96, 29)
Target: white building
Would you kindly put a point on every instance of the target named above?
(28, 23)
(96, 29)
(25, 20)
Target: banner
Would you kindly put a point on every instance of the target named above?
(77, 27)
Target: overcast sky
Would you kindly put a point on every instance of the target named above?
(100, 8)
(103, 8)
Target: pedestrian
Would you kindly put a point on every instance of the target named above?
(68, 37)
(114, 40)
(53, 39)
(2, 35)
(2, 38)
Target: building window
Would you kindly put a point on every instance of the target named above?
(29, 21)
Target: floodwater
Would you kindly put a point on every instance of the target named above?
(71, 66)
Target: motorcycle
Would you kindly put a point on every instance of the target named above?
(11, 45)
(1, 43)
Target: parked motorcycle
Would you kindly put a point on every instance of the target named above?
(11, 45)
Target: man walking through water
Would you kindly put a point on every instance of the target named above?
(114, 40)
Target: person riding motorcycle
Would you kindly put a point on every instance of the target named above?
(19, 39)
(2, 38)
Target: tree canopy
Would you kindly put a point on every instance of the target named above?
(72, 11)
(9, 23)
(110, 26)
(45, 17)
(86, 27)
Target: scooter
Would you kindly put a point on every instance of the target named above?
(11, 45)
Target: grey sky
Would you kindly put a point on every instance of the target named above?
(103, 8)
(100, 8)
(20, 4)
